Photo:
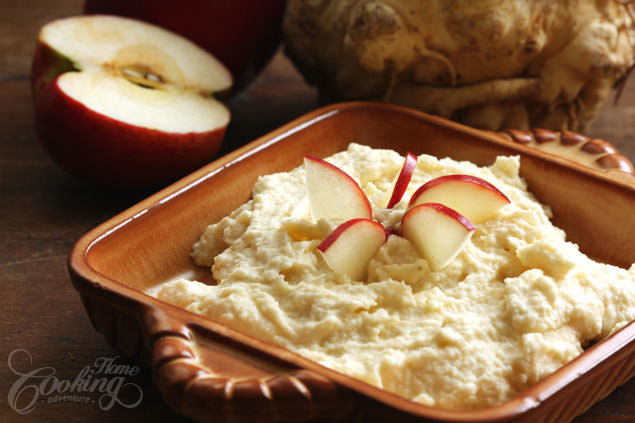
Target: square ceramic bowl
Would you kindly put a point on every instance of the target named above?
(210, 372)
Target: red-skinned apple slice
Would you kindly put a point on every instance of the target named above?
(473, 197)
(408, 168)
(438, 232)
(333, 194)
(349, 248)
(123, 102)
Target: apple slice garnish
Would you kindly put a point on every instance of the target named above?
(351, 245)
(408, 168)
(124, 102)
(333, 194)
(438, 232)
(473, 197)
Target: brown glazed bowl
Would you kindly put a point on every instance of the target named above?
(211, 372)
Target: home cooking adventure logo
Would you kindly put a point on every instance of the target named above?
(100, 383)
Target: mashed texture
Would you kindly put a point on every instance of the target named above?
(517, 303)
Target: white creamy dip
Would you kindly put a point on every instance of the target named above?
(515, 304)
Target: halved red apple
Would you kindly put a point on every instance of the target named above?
(438, 232)
(243, 34)
(349, 248)
(333, 194)
(408, 168)
(124, 102)
(473, 197)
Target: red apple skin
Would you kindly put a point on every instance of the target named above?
(242, 34)
(333, 236)
(46, 66)
(114, 153)
(409, 166)
(457, 177)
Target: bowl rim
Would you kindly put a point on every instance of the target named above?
(86, 278)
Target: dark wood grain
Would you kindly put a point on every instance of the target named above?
(43, 211)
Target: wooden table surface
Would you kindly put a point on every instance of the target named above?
(44, 211)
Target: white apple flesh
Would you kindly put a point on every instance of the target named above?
(124, 102)
(351, 246)
(438, 232)
(473, 197)
(408, 168)
(333, 194)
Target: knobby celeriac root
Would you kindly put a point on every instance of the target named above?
(490, 64)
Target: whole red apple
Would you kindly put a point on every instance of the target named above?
(126, 103)
(243, 34)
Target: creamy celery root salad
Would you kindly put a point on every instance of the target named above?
(515, 304)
